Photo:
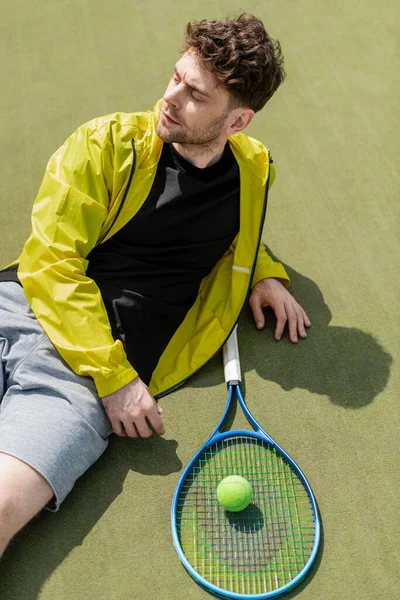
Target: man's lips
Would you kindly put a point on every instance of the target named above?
(169, 119)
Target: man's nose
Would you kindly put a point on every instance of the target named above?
(172, 97)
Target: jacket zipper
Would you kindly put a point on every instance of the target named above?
(181, 383)
(133, 168)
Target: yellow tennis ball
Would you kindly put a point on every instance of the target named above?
(234, 493)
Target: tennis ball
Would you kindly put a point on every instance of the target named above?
(234, 493)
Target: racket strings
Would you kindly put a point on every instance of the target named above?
(261, 548)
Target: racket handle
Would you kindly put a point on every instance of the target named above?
(230, 355)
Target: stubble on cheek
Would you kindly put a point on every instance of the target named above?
(168, 135)
(162, 130)
(201, 135)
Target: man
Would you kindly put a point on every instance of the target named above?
(145, 246)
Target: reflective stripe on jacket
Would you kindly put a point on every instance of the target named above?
(93, 185)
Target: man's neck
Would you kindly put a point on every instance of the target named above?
(199, 155)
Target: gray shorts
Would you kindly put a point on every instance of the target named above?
(50, 417)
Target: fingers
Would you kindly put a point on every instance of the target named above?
(119, 429)
(306, 319)
(256, 305)
(138, 426)
(142, 428)
(271, 292)
(155, 419)
(281, 319)
(296, 318)
(292, 324)
(133, 412)
(130, 429)
(303, 322)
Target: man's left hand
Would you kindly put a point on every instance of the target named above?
(271, 292)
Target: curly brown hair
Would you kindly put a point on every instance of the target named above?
(241, 55)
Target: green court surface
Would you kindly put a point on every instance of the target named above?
(332, 401)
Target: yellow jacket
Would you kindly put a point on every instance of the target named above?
(93, 185)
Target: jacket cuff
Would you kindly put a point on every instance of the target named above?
(109, 384)
(274, 269)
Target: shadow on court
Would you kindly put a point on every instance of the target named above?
(345, 364)
(312, 572)
(27, 559)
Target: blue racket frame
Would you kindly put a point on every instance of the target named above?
(262, 435)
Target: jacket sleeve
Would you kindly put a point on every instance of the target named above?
(67, 216)
(265, 266)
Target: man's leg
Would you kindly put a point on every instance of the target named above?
(23, 493)
(50, 418)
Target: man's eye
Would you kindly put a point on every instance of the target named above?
(192, 93)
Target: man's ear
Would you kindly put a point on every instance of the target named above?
(240, 120)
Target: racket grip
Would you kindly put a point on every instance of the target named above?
(230, 355)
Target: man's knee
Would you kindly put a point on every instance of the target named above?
(8, 516)
(23, 493)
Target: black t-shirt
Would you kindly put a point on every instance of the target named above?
(150, 271)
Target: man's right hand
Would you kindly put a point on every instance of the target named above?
(128, 409)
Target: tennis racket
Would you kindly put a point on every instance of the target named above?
(264, 550)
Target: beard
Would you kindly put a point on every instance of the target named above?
(204, 135)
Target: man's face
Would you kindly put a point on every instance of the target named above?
(194, 109)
